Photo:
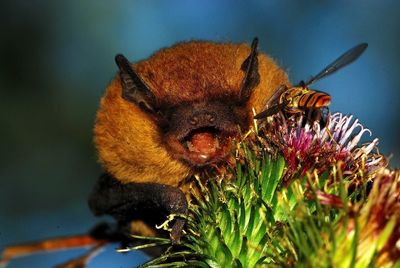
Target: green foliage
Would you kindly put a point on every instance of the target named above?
(262, 214)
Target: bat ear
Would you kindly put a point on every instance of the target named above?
(252, 77)
(134, 89)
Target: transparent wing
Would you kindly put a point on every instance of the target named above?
(269, 111)
(274, 98)
(272, 106)
(345, 59)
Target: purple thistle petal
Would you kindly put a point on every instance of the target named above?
(313, 145)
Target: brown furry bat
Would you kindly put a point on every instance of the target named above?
(165, 118)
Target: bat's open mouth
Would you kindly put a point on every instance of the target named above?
(203, 146)
(207, 145)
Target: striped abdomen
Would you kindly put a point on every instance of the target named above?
(313, 99)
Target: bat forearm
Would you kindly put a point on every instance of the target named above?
(130, 201)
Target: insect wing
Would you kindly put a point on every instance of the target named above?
(274, 100)
(272, 106)
(269, 111)
(345, 59)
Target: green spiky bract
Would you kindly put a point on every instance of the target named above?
(261, 214)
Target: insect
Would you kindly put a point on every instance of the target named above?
(300, 98)
(164, 119)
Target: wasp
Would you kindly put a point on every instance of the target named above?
(300, 99)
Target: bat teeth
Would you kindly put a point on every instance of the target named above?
(204, 156)
(216, 142)
(189, 146)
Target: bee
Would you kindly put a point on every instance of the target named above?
(300, 98)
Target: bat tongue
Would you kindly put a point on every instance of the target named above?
(205, 144)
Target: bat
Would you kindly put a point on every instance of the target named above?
(160, 121)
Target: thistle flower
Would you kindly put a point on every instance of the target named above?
(313, 145)
(379, 220)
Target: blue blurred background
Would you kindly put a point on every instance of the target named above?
(57, 57)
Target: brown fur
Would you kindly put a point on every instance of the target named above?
(129, 144)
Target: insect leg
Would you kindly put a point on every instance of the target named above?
(313, 115)
(130, 201)
(328, 118)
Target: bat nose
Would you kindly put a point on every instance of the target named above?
(203, 118)
(194, 120)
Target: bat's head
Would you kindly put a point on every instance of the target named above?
(197, 129)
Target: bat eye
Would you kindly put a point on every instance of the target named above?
(194, 120)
